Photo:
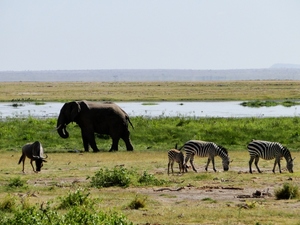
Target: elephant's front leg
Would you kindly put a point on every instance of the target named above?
(89, 139)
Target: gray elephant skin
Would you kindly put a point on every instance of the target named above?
(95, 117)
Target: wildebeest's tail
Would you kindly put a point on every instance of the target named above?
(21, 158)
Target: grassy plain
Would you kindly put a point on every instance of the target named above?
(192, 198)
(150, 91)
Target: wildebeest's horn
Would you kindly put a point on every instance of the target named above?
(45, 157)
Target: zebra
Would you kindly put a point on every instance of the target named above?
(175, 155)
(205, 149)
(269, 150)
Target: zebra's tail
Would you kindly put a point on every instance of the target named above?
(176, 147)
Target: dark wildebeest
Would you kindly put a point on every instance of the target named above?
(34, 151)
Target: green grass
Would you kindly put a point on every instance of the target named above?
(156, 133)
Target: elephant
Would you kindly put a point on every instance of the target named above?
(95, 117)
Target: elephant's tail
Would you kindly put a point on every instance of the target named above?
(127, 117)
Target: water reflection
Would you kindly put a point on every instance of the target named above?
(158, 109)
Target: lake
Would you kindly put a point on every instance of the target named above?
(231, 109)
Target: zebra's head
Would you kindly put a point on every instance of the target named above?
(225, 158)
(225, 163)
(289, 159)
(290, 165)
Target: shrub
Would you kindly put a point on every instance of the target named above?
(79, 213)
(8, 204)
(119, 176)
(78, 198)
(16, 182)
(288, 191)
(149, 179)
(76, 215)
(137, 203)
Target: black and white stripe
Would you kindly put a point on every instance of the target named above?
(175, 155)
(205, 149)
(269, 150)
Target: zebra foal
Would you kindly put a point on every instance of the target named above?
(175, 155)
(205, 149)
(269, 150)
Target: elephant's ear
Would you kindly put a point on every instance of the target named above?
(75, 110)
(84, 105)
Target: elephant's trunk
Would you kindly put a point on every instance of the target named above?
(62, 131)
(61, 128)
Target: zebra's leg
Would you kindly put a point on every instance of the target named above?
(256, 163)
(250, 164)
(181, 168)
(185, 162)
(208, 161)
(213, 162)
(172, 164)
(192, 163)
(169, 164)
(279, 166)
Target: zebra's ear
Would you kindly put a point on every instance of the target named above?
(231, 161)
(293, 158)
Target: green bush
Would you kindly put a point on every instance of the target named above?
(78, 213)
(137, 203)
(16, 182)
(77, 198)
(119, 176)
(149, 179)
(288, 191)
(8, 204)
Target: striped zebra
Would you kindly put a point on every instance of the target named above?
(175, 155)
(269, 150)
(205, 149)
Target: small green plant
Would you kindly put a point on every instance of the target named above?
(149, 179)
(288, 191)
(8, 204)
(119, 176)
(210, 200)
(16, 182)
(137, 203)
(78, 198)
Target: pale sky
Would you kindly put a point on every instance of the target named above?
(148, 34)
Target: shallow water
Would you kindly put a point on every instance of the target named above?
(158, 109)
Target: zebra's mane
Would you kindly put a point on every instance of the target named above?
(223, 149)
(287, 151)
